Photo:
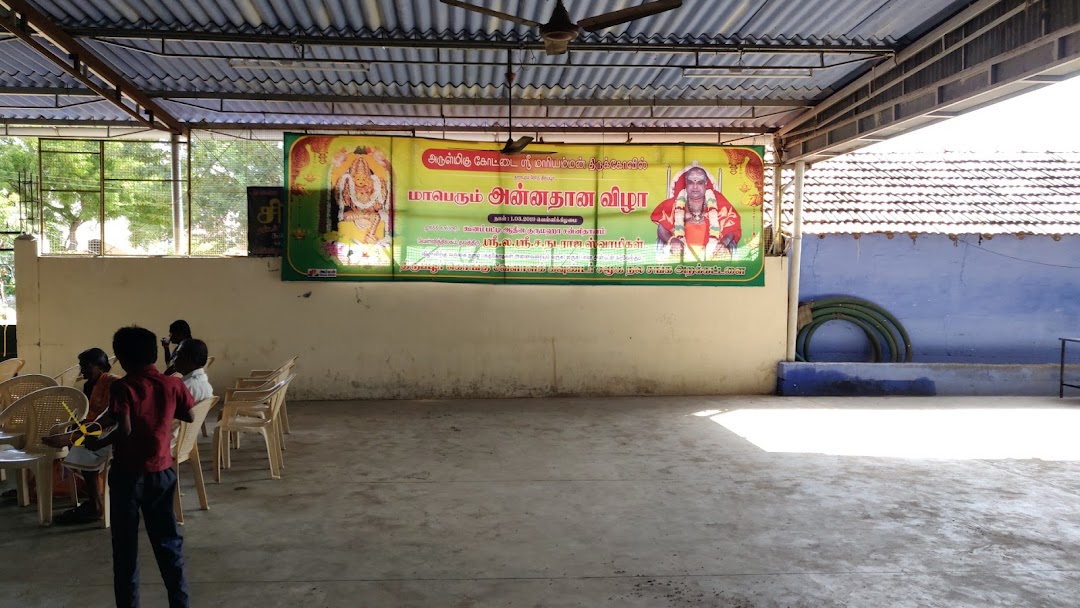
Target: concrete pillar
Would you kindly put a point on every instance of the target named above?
(177, 202)
(28, 302)
(795, 258)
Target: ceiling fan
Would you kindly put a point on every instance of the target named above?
(560, 31)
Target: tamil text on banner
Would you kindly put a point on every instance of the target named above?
(398, 208)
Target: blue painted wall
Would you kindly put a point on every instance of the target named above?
(1004, 300)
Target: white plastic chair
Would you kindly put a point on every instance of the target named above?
(236, 418)
(258, 383)
(68, 377)
(45, 410)
(9, 368)
(187, 450)
(259, 376)
(14, 421)
(103, 469)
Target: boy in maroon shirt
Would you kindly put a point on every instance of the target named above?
(143, 406)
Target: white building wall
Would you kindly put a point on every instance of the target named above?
(413, 340)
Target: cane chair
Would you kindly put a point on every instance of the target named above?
(235, 417)
(10, 368)
(13, 421)
(46, 410)
(187, 450)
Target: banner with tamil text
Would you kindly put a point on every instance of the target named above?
(400, 208)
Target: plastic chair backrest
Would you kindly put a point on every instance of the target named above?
(117, 369)
(209, 362)
(10, 367)
(189, 431)
(280, 395)
(68, 377)
(291, 363)
(277, 375)
(284, 368)
(49, 407)
(272, 396)
(13, 389)
(257, 382)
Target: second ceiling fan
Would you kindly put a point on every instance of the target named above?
(560, 30)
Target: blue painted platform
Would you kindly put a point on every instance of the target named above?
(920, 379)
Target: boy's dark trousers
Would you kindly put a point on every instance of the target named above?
(153, 494)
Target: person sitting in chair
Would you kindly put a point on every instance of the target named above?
(94, 367)
(179, 331)
(189, 360)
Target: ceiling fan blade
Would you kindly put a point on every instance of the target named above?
(514, 146)
(555, 47)
(613, 18)
(492, 13)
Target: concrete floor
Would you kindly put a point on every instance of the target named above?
(618, 502)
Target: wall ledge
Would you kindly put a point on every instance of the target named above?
(798, 379)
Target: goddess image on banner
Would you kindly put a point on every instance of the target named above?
(349, 187)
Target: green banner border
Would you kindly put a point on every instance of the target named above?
(290, 273)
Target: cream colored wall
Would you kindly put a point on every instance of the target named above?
(417, 340)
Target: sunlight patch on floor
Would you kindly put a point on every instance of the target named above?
(1043, 433)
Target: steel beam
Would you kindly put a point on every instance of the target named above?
(46, 91)
(996, 49)
(679, 61)
(21, 19)
(431, 101)
(488, 101)
(421, 40)
(494, 129)
(428, 128)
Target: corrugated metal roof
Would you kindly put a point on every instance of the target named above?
(750, 18)
(21, 66)
(944, 193)
(173, 50)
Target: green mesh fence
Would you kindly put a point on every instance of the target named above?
(139, 199)
(71, 194)
(221, 171)
(129, 185)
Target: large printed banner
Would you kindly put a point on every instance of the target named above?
(399, 208)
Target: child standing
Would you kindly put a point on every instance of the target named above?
(143, 406)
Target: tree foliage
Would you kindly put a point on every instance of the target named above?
(221, 171)
(135, 180)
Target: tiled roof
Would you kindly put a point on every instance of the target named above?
(941, 193)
